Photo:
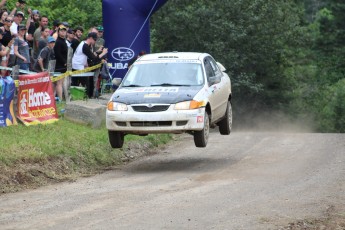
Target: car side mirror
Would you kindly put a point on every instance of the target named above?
(214, 80)
(116, 81)
(221, 67)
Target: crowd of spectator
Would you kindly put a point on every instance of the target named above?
(29, 40)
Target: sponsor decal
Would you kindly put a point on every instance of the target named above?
(200, 119)
(152, 95)
(153, 90)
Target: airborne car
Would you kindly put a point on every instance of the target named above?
(171, 93)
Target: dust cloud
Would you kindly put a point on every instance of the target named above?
(273, 122)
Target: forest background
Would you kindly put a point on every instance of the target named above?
(284, 57)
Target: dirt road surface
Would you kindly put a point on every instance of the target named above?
(248, 180)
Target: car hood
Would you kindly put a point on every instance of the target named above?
(161, 95)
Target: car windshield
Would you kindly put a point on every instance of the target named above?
(164, 74)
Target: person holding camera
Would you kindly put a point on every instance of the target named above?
(84, 57)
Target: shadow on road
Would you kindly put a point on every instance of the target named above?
(157, 165)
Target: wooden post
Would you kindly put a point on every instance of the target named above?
(51, 67)
(95, 81)
(67, 80)
(15, 72)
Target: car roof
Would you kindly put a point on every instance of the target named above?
(173, 55)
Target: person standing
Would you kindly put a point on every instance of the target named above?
(46, 54)
(60, 50)
(3, 16)
(78, 33)
(6, 40)
(21, 49)
(70, 37)
(17, 20)
(83, 55)
(37, 35)
(4, 50)
(33, 25)
(44, 39)
(100, 40)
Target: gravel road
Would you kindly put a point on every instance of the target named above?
(248, 180)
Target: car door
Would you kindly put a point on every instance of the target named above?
(217, 89)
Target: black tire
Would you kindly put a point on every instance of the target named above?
(225, 124)
(116, 139)
(201, 137)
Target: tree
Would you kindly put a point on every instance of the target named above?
(251, 38)
(86, 13)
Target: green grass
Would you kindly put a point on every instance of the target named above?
(80, 143)
(42, 154)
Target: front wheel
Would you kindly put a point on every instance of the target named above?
(201, 137)
(116, 139)
(225, 124)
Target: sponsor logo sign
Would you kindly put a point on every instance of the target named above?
(36, 101)
(122, 54)
(7, 88)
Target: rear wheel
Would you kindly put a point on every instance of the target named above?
(116, 139)
(201, 137)
(225, 124)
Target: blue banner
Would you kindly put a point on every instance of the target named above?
(7, 88)
(127, 31)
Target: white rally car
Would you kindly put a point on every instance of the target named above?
(171, 93)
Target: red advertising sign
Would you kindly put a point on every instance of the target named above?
(36, 101)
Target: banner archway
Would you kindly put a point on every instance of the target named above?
(127, 30)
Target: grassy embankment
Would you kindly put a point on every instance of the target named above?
(38, 155)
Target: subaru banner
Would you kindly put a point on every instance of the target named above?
(127, 31)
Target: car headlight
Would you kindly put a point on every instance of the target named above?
(116, 106)
(185, 105)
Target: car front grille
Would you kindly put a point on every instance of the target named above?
(150, 108)
(150, 123)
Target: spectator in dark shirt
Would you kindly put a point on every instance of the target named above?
(60, 50)
(56, 25)
(6, 40)
(34, 23)
(46, 54)
(70, 37)
(78, 33)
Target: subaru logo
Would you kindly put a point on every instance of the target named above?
(150, 105)
(122, 54)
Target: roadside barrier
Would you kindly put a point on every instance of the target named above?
(57, 76)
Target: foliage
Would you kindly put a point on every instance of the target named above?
(86, 13)
(331, 115)
(280, 55)
(251, 38)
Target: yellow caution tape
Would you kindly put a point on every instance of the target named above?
(69, 73)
